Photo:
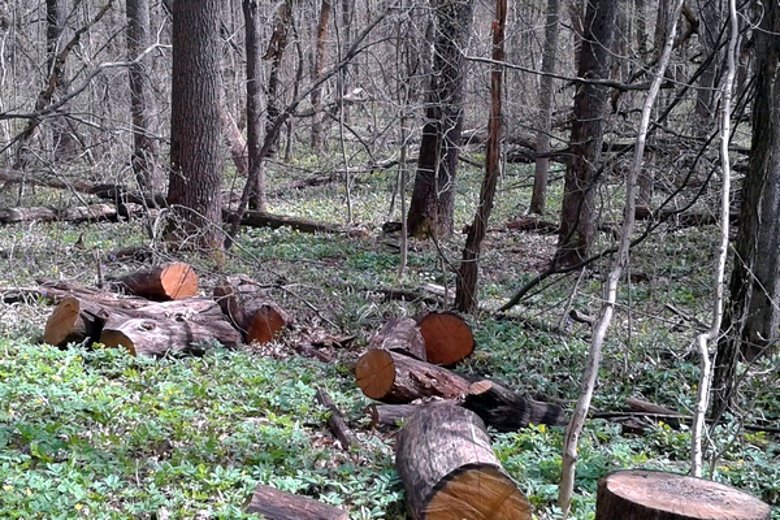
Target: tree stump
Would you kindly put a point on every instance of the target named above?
(449, 470)
(258, 318)
(508, 411)
(448, 338)
(400, 335)
(173, 281)
(655, 495)
(394, 378)
(278, 505)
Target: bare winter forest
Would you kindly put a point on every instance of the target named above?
(455, 259)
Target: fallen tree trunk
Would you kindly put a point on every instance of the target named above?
(654, 495)
(400, 335)
(448, 338)
(449, 470)
(278, 505)
(336, 422)
(73, 322)
(171, 281)
(77, 214)
(257, 318)
(389, 416)
(260, 220)
(394, 378)
(508, 411)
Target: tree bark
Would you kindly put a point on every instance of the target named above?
(257, 317)
(508, 411)
(400, 335)
(196, 155)
(653, 495)
(431, 210)
(449, 470)
(275, 53)
(171, 281)
(273, 504)
(254, 103)
(578, 215)
(146, 150)
(320, 55)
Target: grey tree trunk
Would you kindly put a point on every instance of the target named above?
(254, 103)
(275, 53)
(196, 136)
(146, 150)
(320, 55)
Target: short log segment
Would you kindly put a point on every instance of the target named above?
(258, 318)
(400, 335)
(278, 505)
(336, 422)
(654, 495)
(394, 378)
(448, 338)
(449, 470)
(172, 281)
(73, 322)
(390, 416)
(506, 410)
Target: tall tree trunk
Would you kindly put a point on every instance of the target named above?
(254, 103)
(551, 32)
(275, 53)
(431, 211)
(146, 150)
(320, 55)
(196, 151)
(751, 322)
(64, 144)
(711, 13)
(578, 216)
(466, 286)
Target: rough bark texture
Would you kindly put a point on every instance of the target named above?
(261, 219)
(146, 150)
(466, 297)
(448, 338)
(320, 55)
(394, 378)
(578, 216)
(254, 102)
(751, 320)
(508, 411)
(275, 53)
(76, 214)
(171, 281)
(257, 317)
(652, 495)
(390, 416)
(336, 422)
(196, 154)
(449, 470)
(278, 505)
(431, 210)
(73, 321)
(400, 335)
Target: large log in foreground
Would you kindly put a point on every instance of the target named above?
(171, 281)
(448, 338)
(278, 505)
(392, 378)
(258, 318)
(449, 470)
(508, 411)
(654, 495)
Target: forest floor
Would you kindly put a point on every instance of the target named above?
(95, 433)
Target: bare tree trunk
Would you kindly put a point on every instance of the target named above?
(704, 340)
(320, 55)
(574, 429)
(196, 132)
(275, 53)
(551, 32)
(711, 14)
(466, 285)
(146, 150)
(431, 211)
(64, 144)
(578, 215)
(254, 103)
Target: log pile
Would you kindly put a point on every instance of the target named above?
(163, 314)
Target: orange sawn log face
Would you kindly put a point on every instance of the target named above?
(448, 338)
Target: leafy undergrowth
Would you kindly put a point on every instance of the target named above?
(97, 434)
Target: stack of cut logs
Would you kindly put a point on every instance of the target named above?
(443, 452)
(164, 313)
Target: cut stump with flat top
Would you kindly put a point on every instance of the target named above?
(279, 505)
(172, 281)
(448, 338)
(449, 470)
(656, 495)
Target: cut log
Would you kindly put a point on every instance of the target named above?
(172, 281)
(508, 411)
(390, 416)
(654, 495)
(394, 378)
(278, 505)
(260, 220)
(156, 337)
(258, 318)
(671, 417)
(532, 223)
(73, 322)
(449, 470)
(400, 335)
(336, 422)
(448, 338)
